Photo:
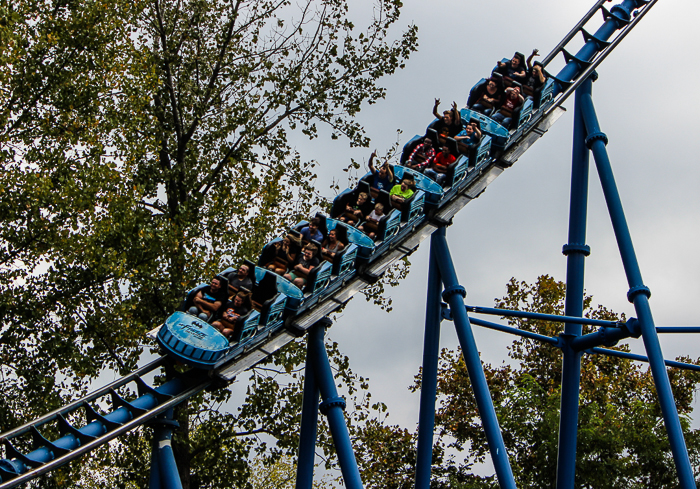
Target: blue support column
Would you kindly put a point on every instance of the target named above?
(309, 423)
(162, 456)
(454, 294)
(428, 390)
(576, 251)
(638, 294)
(154, 475)
(332, 406)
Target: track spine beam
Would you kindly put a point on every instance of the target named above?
(572, 33)
(69, 408)
(622, 17)
(19, 468)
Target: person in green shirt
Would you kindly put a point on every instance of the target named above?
(403, 191)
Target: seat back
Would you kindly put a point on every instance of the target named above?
(457, 170)
(318, 278)
(452, 144)
(317, 253)
(347, 196)
(476, 91)
(322, 225)
(246, 327)
(265, 289)
(272, 311)
(409, 147)
(224, 281)
(364, 185)
(546, 94)
(525, 112)
(433, 135)
(344, 261)
(498, 77)
(295, 232)
(268, 253)
(413, 207)
(384, 199)
(388, 225)
(483, 151)
(341, 234)
(251, 270)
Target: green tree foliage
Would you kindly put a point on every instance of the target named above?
(145, 145)
(281, 475)
(621, 442)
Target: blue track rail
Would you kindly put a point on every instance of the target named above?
(17, 467)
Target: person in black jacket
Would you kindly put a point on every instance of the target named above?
(209, 299)
(514, 69)
(487, 98)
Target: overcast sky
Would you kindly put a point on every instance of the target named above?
(648, 106)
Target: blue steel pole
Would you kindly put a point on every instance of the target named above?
(428, 390)
(162, 441)
(638, 294)
(154, 476)
(454, 294)
(332, 406)
(576, 251)
(309, 424)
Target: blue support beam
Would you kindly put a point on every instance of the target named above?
(515, 331)
(309, 424)
(164, 473)
(576, 251)
(642, 358)
(454, 294)
(538, 315)
(333, 405)
(428, 391)
(154, 481)
(557, 342)
(678, 329)
(638, 294)
(607, 336)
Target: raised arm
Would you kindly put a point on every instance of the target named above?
(370, 163)
(535, 52)
(539, 73)
(435, 108)
(456, 117)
